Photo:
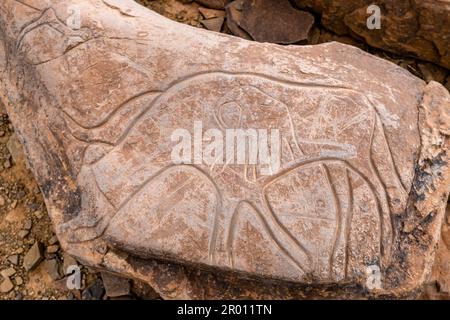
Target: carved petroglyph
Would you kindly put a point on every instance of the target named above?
(106, 89)
(313, 234)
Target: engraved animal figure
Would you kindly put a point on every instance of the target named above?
(299, 222)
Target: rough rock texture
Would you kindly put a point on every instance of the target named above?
(275, 21)
(214, 4)
(364, 176)
(420, 28)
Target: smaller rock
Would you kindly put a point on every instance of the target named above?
(28, 224)
(275, 21)
(52, 267)
(234, 19)
(2, 201)
(33, 257)
(7, 164)
(6, 286)
(14, 259)
(115, 286)
(68, 261)
(214, 24)
(13, 204)
(38, 214)
(19, 296)
(52, 249)
(211, 13)
(15, 148)
(23, 234)
(432, 72)
(8, 272)
(19, 281)
(94, 292)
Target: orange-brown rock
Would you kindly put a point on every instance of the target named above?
(96, 90)
(419, 28)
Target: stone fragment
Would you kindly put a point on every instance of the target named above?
(7, 164)
(52, 249)
(5, 273)
(23, 234)
(94, 292)
(6, 286)
(214, 24)
(115, 286)
(2, 201)
(38, 214)
(432, 72)
(33, 257)
(68, 261)
(14, 259)
(275, 21)
(15, 149)
(415, 27)
(211, 13)
(52, 266)
(234, 16)
(28, 224)
(18, 280)
(359, 182)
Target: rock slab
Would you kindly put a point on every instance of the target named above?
(363, 172)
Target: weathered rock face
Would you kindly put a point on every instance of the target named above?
(97, 92)
(420, 28)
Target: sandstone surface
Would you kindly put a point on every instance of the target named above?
(96, 89)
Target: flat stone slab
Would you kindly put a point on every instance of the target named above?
(354, 197)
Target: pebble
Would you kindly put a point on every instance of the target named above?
(115, 286)
(7, 164)
(52, 249)
(38, 214)
(23, 233)
(52, 267)
(6, 286)
(19, 281)
(33, 257)
(14, 259)
(13, 204)
(2, 201)
(28, 224)
(6, 273)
